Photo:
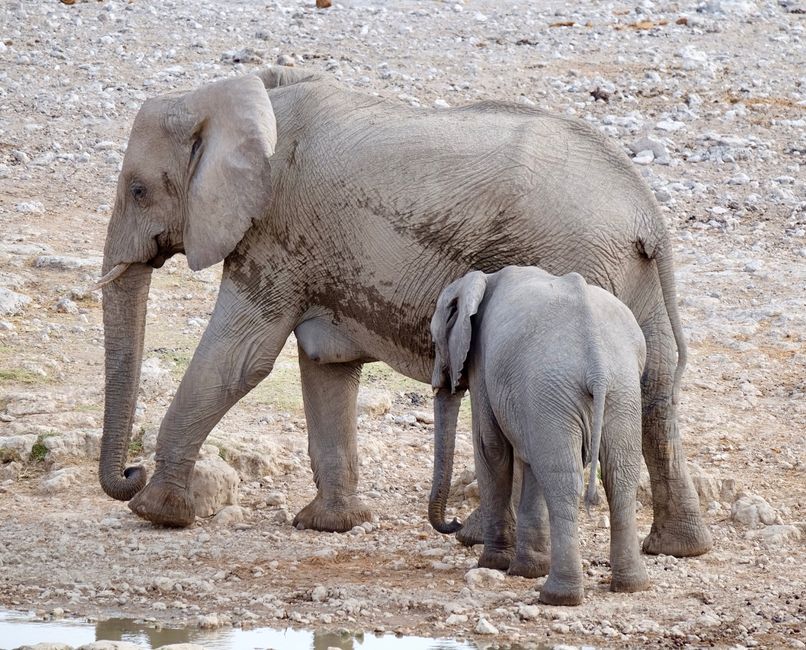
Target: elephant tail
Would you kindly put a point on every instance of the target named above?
(599, 391)
(662, 254)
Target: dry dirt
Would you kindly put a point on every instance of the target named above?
(719, 85)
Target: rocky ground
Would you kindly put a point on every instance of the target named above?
(710, 100)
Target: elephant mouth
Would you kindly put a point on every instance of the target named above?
(164, 252)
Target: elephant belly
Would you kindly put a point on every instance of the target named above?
(325, 339)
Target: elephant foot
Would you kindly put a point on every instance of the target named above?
(164, 504)
(498, 560)
(333, 516)
(532, 565)
(562, 593)
(630, 582)
(471, 532)
(681, 538)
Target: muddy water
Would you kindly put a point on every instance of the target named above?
(18, 629)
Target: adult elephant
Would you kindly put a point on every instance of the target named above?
(340, 217)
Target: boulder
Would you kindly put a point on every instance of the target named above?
(752, 511)
(214, 485)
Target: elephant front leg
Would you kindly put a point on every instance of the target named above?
(532, 530)
(677, 526)
(236, 352)
(329, 392)
(494, 459)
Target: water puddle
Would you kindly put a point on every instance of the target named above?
(18, 629)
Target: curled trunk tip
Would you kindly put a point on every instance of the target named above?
(446, 527)
(123, 488)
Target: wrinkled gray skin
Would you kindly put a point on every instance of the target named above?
(554, 370)
(343, 226)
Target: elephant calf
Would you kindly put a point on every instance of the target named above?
(554, 369)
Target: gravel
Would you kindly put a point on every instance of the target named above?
(708, 98)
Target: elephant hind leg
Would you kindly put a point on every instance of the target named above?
(532, 530)
(621, 465)
(329, 392)
(677, 526)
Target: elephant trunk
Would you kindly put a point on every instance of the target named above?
(446, 413)
(124, 303)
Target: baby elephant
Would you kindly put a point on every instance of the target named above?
(554, 368)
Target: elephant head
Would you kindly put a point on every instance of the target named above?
(451, 329)
(195, 177)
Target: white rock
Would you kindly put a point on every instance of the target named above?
(66, 306)
(480, 578)
(529, 612)
(214, 485)
(275, 499)
(17, 446)
(670, 125)
(658, 149)
(485, 627)
(739, 179)
(319, 594)
(65, 262)
(730, 8)
(228, 516)
(776, 535)
(425, 417)
(644, 157)
(30, 207)
(60, 479)
(374, 402)
(752, 511)
(693, 59)
(441, 103)
(11, 302)
(456, 619)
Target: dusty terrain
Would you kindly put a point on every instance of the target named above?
(719, 88)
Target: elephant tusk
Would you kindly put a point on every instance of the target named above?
(113, 275)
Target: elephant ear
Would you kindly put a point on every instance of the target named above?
(451, 328)
(231, 132)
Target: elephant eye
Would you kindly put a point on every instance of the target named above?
(138, 191)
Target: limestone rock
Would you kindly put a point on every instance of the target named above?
(374, 402)
(60, 479)
(228, 516)
(10, 471)
(752, 511)
(12, 302)
(65, 262)
(776, 535)
(17, 447)
(214, 485)
(485, 627)
(481, 578)
(709, 488)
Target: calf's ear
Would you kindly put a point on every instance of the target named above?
(451, 328)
